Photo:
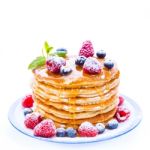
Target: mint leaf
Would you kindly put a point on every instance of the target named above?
(39, 61)
(47, 47)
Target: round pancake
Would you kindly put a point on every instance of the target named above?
(77, 78)
(80, 92)
(80, 115)
(78, 100)
(99, 118)
(72, 108)
(75, 126)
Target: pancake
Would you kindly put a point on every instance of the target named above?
(80, 92)
(75, 126)
(81, 114)
(77, 78)
(99, 118)
(72, 99)
(77, 100)
(77, 108)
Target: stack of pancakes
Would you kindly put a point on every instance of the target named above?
(77, 97)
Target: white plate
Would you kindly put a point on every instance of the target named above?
(16, 118)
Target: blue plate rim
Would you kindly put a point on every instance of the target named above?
(134, 125)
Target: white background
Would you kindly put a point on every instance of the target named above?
(120, 27)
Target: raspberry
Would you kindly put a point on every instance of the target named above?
(121, 100)
(86, 129)
(54, 64)
(45, 129)
(27, 101)
(92, 66)
(31, 120)
(87, 49)
(122, 114)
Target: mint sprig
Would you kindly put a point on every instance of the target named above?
(47, 48)
(41, 60)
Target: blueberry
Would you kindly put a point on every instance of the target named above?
(65, 70)
(100, 127)
(27, 111)
(109, 64)
(60, 132)
(61, 52)
(80, 60)
(101, 54)
(112, 124)
(70, 132)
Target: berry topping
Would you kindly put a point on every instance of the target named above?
(27, 101)
(31, 120)
(70, 132)
(122, 114)
(112, 124)
(92, 66)
(64, 70)
(27, 111)
(101, 54)
(54, 64)
(80, 60)
(100, 127)
(61, 52)
(109, 64)
(87, 49)
(121, 100)
(46, 128)
(86, 129)
(60, 132)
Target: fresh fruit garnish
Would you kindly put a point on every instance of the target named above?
(70, 132)
(100, 127)
(92, 66)
(80, 60)
(64, 70)
(109, 64)
(60, 132)
(46, 128)
(112, 124)
(101, 54)
(62, 52)
(27, 101)
(122, 114)
(54, 63)
(41, 60)
(121, 100)
(27, 111)
(86, 129)
(31, 120)
(87, 49)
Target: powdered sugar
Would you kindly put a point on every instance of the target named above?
(92, 66)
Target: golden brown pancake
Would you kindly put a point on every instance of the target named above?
(99, 118)
(77, 97)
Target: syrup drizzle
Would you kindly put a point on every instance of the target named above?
(75, 77)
